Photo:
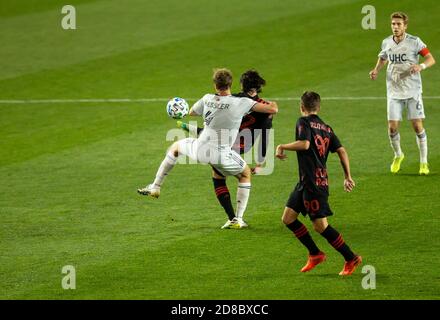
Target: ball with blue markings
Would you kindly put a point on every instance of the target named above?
(177, 108)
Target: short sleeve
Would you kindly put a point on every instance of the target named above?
(198, 107)
(303, 131)
(421, 47)
(383, 51)
(335, 144)
(247, 104)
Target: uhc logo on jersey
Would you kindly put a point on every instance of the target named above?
(397, 58)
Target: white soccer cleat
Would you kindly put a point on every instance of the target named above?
(150, 190)
(228, 224)
(236, 223)
(241, 223)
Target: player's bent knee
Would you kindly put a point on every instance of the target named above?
(319, 225)
(247, 171)
(289, 216)
(246, 174)
(393, 127)
(417, 125)
(174, 148)
(318, 228)
(392, 130)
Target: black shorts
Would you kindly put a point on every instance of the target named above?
(306, 202)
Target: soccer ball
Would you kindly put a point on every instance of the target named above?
(177, 108)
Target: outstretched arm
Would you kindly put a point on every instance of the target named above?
(266, 107)
(197, 108)
(345, 163)
(192, 113)
(299, 145)
(379, 65)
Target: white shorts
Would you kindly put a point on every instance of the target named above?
(413, 106)
(226, 161)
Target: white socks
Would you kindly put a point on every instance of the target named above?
(422, 143)
(243, 192)
(167, 164)
(395, 144)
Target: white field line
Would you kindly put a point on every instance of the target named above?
(149, 100)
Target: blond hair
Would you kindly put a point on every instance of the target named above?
(400, 15)
(222, 78)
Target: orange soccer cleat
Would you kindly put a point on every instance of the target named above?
(350, 266)
(313, 261)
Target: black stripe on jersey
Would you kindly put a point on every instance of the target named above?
(237, 159)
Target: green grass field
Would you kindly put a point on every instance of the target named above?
(69, 170)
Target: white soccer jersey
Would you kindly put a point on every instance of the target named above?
(222, 117)
(401, 84)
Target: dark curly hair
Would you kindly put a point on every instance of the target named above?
(251, 79)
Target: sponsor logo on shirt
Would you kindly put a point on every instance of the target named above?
(397, 58)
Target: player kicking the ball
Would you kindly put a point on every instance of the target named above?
(404, 86)
(314, 141)
(254, 123)
(222, 114)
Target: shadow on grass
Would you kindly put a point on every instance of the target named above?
(323, 275)
(413, 174)
(357, 276)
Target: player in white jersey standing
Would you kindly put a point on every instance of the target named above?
(222, 114)
(404, 86)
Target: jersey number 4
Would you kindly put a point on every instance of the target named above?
(208, 119)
